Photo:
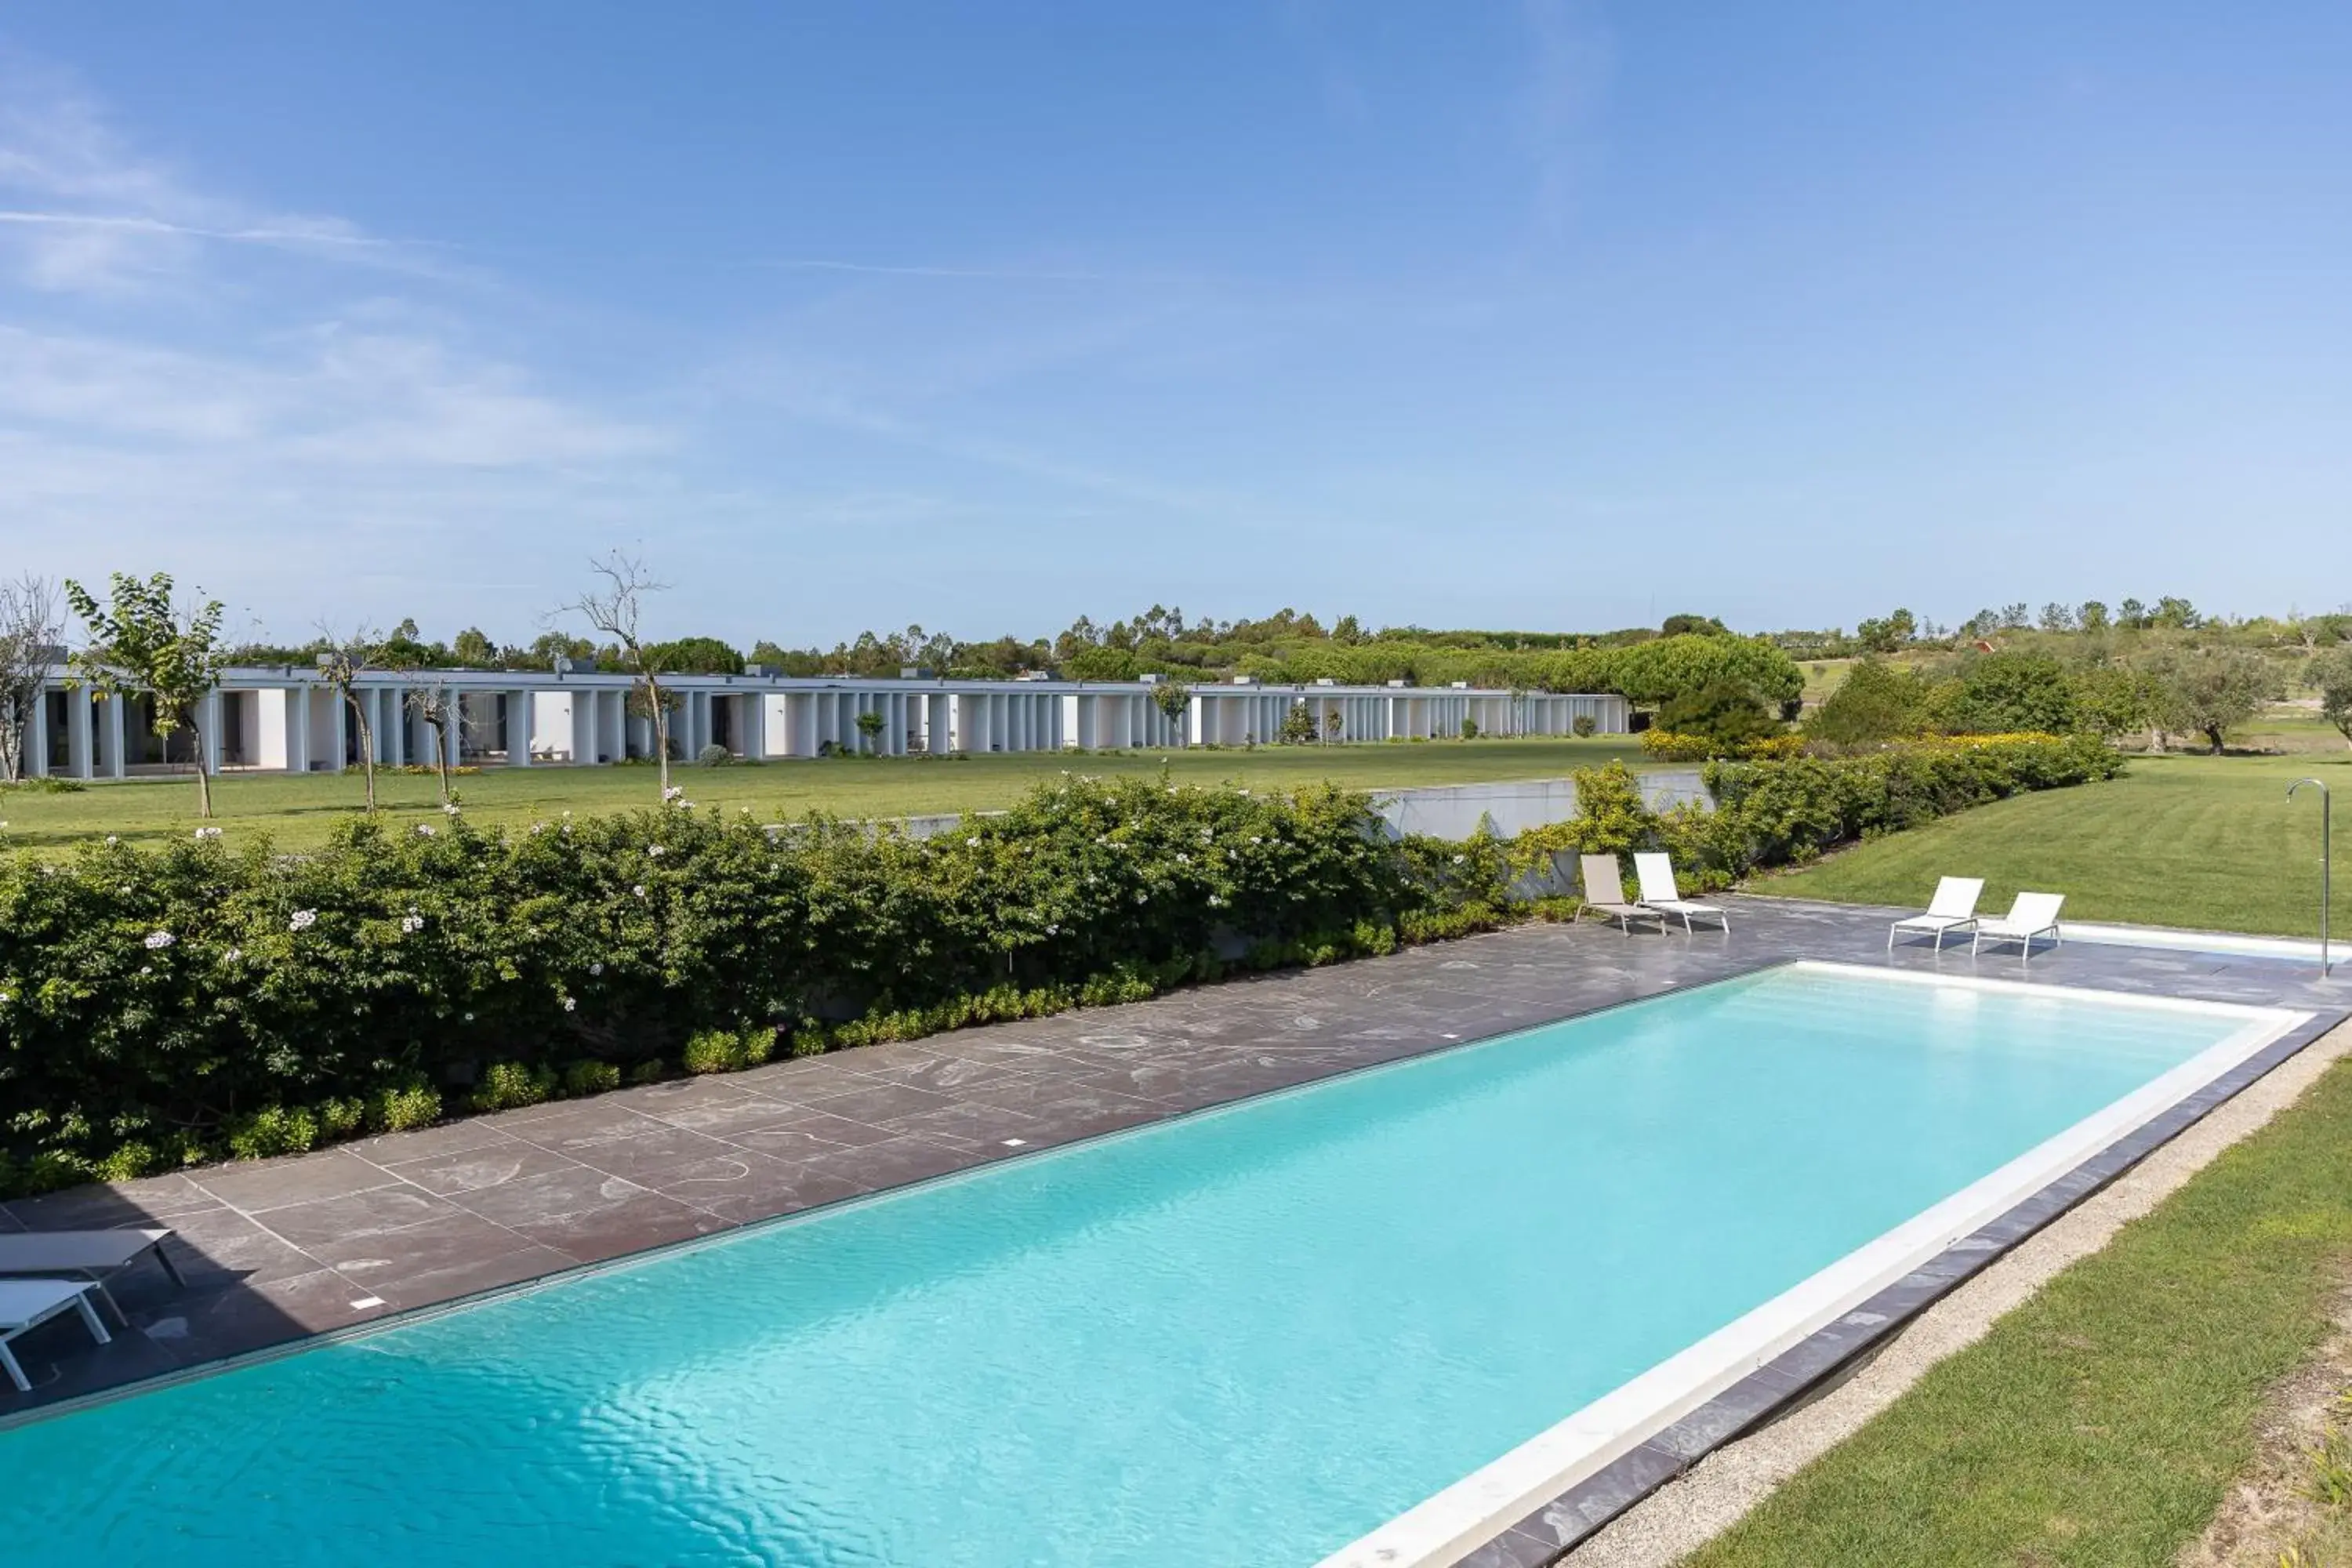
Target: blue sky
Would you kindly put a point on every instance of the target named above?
(1539, 315)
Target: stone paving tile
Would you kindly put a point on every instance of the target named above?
(105, 1205)
(430, 1142)
(219, 1245)
(876, 1102)
(576, 1127)
(638, 1158)
(352, 1217)
(294, 1179)
(482, 1165)
(575, 1189)
(743, 1186)
(630, 1224)
(451, 1238)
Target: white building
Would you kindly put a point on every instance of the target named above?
(287, 719)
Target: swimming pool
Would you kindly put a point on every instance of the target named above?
(1261, 1336)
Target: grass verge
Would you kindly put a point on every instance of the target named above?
(2101, 1422)
(2209, 842)
(298, 810)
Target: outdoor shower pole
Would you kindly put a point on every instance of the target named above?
(2325, 862)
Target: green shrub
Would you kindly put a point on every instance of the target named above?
(509, 1086)
(400, 1107)
(652, 1071)
(1583, 726)
(712, 1050)
(589, 1076)
(274, 1129)
(342, 1117)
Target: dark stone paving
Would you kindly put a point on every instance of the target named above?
(277, 1250)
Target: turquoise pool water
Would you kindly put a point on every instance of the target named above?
(1237, 1340)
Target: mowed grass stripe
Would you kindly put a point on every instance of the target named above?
(2101, 1422)
(2206, 842)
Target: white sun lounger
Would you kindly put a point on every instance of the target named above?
(1604, 893)
(2032, 915)
(26, 1303)
(90, 1255)
(1656, 874)
(1954, 907)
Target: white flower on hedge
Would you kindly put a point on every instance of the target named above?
(653, 851)
(639, 889)
(1255, 839)
(972, 843)
(674, 791)
(111, 838)
(597, 967)
(303, 920)
(1183, 859)
(570, 1004)
(426, 829)
(159, 940)
(448, 808)
(145, 969)
(1461, 860)
(410, 924)
(469, 1017)
(233, 955)
(200, 832)
(1215, 902)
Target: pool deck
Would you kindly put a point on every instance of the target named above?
(276, 1251)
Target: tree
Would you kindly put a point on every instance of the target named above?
(2332, 673)
(615, 612)
(2057, 618)
(441, 708)
(30, 628)
(2212, 690)
(1876, 702)
(341, 664)
(2174, 614)
(2110, 698)
(143, 642)
(709, 656)
(1699, 625)
(1724, 714)
(1297, 725)
(2132, 615)
(1886, 634)
(2003, 693)
(2091, 617)
(870, 728)
(473, 650)
(2013, 617)
(1174, 702)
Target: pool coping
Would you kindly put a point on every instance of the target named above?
(1547, 1533)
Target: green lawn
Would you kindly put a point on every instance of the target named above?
(2210, 842)
(300, 809)
(2100, 1422)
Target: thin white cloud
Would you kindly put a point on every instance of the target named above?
(986, 274)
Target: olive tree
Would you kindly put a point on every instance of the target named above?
(615, 611)
(1173, 702)
(439, 704)
(2210, 691)
(2332, 673)
(143, 641)
(30, 626)
(342, 659)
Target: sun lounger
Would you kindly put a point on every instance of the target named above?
(2032, 915)
(1954, 907)
(1656, 874)
(90, 1255)
(1604, 893)
(26, 1303)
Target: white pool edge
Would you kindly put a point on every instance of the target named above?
(1439, 1531)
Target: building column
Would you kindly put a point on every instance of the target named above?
(113, 737)
(519, 727)
(79, 734)
(37, 735)
(208, 730)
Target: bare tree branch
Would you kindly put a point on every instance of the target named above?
(31, 625)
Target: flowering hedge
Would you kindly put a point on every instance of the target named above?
(158, 1007)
